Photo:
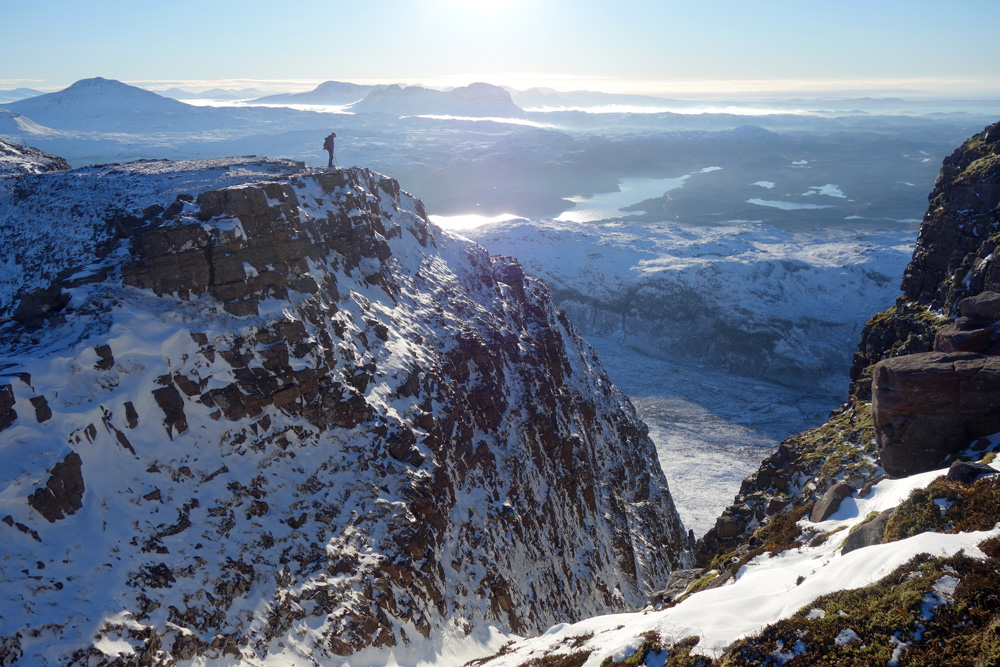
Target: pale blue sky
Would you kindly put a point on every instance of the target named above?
(658, 46)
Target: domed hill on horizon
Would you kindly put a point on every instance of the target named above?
(477, 99)
(99, 104)
(94, 96)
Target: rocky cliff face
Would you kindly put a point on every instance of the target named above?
(930, 362)
(953, 258)
(248, 410)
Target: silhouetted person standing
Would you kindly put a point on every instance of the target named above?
(328, 147)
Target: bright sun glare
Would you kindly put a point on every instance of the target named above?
(491, 6)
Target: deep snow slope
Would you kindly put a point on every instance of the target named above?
(251, 411)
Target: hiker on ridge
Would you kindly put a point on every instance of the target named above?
(328, 147)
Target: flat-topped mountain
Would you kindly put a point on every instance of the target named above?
(328, 92)
(477, 99)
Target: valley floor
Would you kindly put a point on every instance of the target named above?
(711, 427)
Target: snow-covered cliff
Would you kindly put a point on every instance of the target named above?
(253, 410)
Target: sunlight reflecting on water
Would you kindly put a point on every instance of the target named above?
(470, 221)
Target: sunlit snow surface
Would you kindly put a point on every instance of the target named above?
(768, 588)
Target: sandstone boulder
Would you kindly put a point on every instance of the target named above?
(984, 306)
(868, 533)
(968, 472)
(830, 502)
(928, 406)
(960, 337)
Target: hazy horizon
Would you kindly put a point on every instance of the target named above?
(708, 90)
(667, 49)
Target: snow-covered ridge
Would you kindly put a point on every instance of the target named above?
(280, 417)
(53, 224)
(17, 160)
(786, 306)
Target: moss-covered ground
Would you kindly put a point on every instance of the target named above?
(902, 617)
(843, 448)
(946, 506)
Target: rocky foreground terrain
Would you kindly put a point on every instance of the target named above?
(251, 412)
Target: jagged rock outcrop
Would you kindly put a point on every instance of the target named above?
(62, 494)
(306, 422)
(953, 258)
(928, 403)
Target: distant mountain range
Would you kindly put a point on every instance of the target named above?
(477, 99)
(213, 94)
(549, 97)
(17, 94)
(328, 92)
(97, 103)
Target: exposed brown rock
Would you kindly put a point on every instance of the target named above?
(105, 360)
(62, 494)
(131, 416)
(43, 412)
(828, 505)
(8, 415)
(170, 401)
(39, 305)
(929, 406)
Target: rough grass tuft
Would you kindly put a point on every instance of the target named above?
(965, 631)
(961, 508)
